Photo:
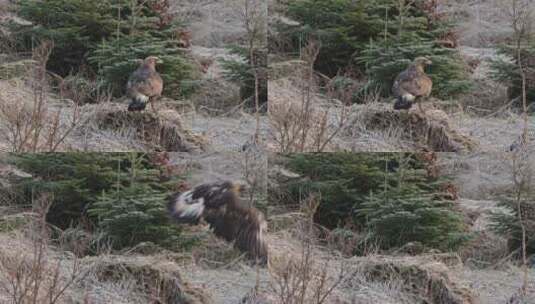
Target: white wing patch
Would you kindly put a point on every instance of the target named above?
(142, 98)
(408, 97)
(186, 207)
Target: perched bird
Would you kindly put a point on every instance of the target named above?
(144, 85)
(218, 204)
(412, 84)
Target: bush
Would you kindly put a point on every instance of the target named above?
(343, 179)
(75, 26)
(242, 73)
(118, 195)
(408, 212)
(375, 38)
(509, 225)
(342, 26)
(390, 197)
(506, 71)
(133, 214)
(107, 36)
(386, 60)
(73, 179)
(118, 58)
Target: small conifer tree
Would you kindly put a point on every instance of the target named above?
(107, 37)
(119, 195)
(379, 38)
(389, 197)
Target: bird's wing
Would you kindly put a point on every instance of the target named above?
(398, 88)
(417, 85)
(183, 207)
(215, 195)
(145, 82)
(243, 225)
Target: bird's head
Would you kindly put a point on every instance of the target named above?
(152, 60)
(423, 61)
(235, 186)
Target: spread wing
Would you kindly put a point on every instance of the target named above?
(190, 206)
(242, 225)
(219, 206)
(215, 195)
(184, 208)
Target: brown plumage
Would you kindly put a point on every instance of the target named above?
(144, 85)
(412, 84)
(218, 204)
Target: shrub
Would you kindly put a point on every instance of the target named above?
(118, 195)
(242, 73)
(118, 58)
(73, 179)
(509, 225)
(133, 214)
(408, 212)
(505, 70)
(343, 180)
(390, 197)
(386, 60)
(379, 39)
(75, 26)
(342, 26)
(107, 36)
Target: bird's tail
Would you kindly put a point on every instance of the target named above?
(183, 209)
(138, 102)
(404, 102)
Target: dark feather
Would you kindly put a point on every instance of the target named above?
(136, 105)
(222, 210)
(402, 104)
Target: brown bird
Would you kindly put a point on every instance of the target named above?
(218, 204)
(412, 85)
(144, 85)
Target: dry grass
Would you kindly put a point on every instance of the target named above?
(33, 276)
(299, 123)
(300, 269)
(29, 125)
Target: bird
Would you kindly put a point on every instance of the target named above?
(144, 85)
(412, 84)
(218, 204)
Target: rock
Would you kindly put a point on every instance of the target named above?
(152, 276)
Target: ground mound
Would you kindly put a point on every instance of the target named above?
(163, 129)
(431, 130)
(151, 276)
(429, 280)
